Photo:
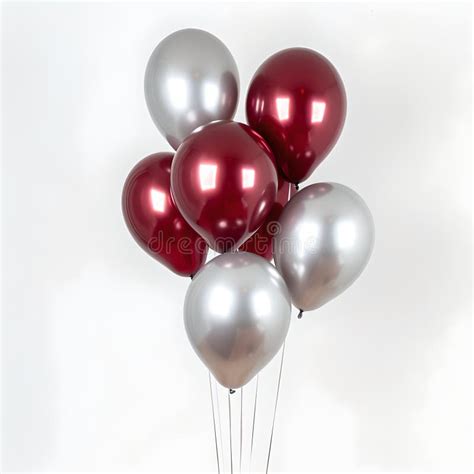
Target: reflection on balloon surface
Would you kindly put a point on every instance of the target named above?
(207, 176)
(158, 200)
(317, 111)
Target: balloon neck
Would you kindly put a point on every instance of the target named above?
(191, 276)
(300, 314)
(231, 391)
(297, 186)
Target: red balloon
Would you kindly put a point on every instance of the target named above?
(224, 183)
(297, 102)
(261, 242)
(155, 222)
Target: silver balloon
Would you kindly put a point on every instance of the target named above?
(324, 242)
(237, 314)
(191, 79)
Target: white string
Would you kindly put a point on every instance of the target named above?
(230, 435)
(275, 409)
(219, 423)
(253, 423)
(214, 424)
(241, 416)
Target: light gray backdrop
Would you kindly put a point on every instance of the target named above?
(97, 371)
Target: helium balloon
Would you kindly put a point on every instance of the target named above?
(325, 241)
(191, 79)
(224, 183)
(261, 243)
(237, 314)
(297, 102)
(154, 221)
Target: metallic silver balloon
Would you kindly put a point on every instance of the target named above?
(325, 239)
(237, 314)
(191, 79)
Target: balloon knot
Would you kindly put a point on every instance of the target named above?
(300, 314)
(297, 186)
(191, 276)
(231, 391)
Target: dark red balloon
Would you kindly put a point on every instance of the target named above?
(261, 242)
(224, 183)
(297, 102)
(155, 222)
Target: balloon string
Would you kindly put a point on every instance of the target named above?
(241, 416)
(219, 422)
(214, 424)
(230, 434)
(275, 409)
(253, 423)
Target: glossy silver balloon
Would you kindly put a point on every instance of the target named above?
(237, 314)
(324, 241)
(191, 79)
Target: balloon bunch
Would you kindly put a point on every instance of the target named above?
(233, 188)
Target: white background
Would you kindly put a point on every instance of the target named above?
(97, 371)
